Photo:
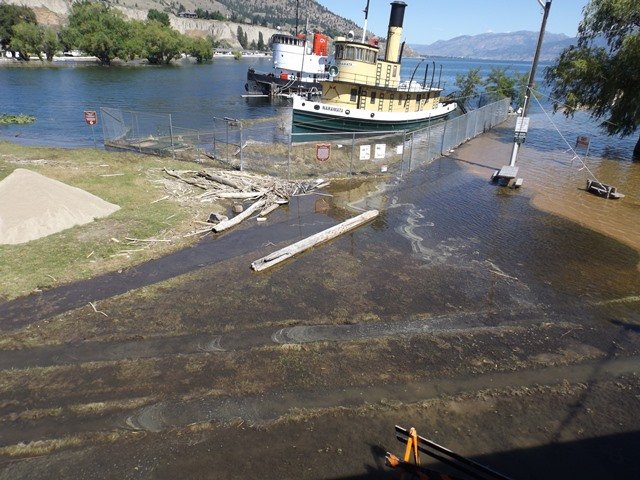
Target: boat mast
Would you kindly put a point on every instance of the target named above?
(366, 17)
(297, 8)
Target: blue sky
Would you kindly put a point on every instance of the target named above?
(429, 20)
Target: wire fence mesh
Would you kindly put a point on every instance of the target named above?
(269, 147)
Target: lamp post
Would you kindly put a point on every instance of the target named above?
(508, 173)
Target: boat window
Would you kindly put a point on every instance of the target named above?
(373, 97)
(354, 94)
(348, 52)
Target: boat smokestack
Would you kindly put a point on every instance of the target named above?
(394, 35)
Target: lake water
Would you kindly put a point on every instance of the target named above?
(193, 94)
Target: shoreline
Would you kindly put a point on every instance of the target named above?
(35, 62)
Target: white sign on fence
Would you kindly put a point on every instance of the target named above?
(380, 150)
(399, 149)
(365, 152)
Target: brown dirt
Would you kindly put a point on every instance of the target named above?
(411, 321)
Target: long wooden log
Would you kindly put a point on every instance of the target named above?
(190, 182)
(219, 227)
(320, 237)
(239, 195)
(217, 178)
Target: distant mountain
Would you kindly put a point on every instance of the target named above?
(499, 46)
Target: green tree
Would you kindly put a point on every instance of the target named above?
(10, 16)
(97, 30)
(50, 43)
(242, 38)
(468, 85)
(160, 44)
(200, 48)
(133, 46)
(500, 84)
(160, 17)
(26, 40)
(261, 44)
(605, 80)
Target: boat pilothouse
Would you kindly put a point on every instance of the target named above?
(299, 64)
(365, 91)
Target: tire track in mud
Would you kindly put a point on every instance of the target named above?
(266, 408)
(84, 352)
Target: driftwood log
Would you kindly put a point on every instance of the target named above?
(219, 227)
(320, 237)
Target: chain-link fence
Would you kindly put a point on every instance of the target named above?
(267, 146)
(150, 133)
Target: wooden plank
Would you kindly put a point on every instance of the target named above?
(320, 237)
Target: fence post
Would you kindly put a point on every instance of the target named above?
(289, 157)
(241, 156)
(227, 141)
(173, 150)
(444, 134)
(411, 157)
(429, 140)
(215, 146)
(353, 146)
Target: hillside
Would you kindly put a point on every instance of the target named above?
(255, 16)
(498, 46)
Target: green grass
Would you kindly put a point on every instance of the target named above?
(84, 251)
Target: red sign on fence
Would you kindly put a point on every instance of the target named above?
(323, 151)
(91, 117)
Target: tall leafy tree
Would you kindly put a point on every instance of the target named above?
(199, 48)
(603, 79)
(26, 40)
(500, 84)
(97, 30)
(50, 43)
(261, 44)
(468, 85)
(160, 44)
(10, 16)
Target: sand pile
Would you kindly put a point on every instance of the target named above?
(34, 206)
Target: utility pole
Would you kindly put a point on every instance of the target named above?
(507, 174)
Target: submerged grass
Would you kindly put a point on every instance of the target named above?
(84, 251)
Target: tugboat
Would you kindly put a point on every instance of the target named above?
(299, 64)
(365, 92)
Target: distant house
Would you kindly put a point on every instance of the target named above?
(187, 14)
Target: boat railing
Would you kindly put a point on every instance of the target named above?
(369, 80)
(373, 81)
